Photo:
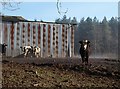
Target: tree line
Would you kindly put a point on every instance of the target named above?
(103, 35)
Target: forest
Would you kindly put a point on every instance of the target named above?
(103, 35)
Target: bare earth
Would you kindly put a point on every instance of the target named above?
(60, 73)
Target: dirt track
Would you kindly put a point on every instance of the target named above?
(60, 73)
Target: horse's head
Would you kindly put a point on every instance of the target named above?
(84, 44)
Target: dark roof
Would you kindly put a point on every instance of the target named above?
(21, 19)
(12, 18)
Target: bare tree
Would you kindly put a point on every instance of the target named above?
(10, 4)
(59, 8)
(13, 5)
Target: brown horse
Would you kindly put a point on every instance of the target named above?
(84, 50)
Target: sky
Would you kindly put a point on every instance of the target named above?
(47, 11)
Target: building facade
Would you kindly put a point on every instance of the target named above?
(56, 40)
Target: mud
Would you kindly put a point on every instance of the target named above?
(60, 73)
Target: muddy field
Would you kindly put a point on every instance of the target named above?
(60, 73)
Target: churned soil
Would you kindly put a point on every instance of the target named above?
(60, 73)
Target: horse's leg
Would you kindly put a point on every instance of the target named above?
(83, 60)
(86, 60)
